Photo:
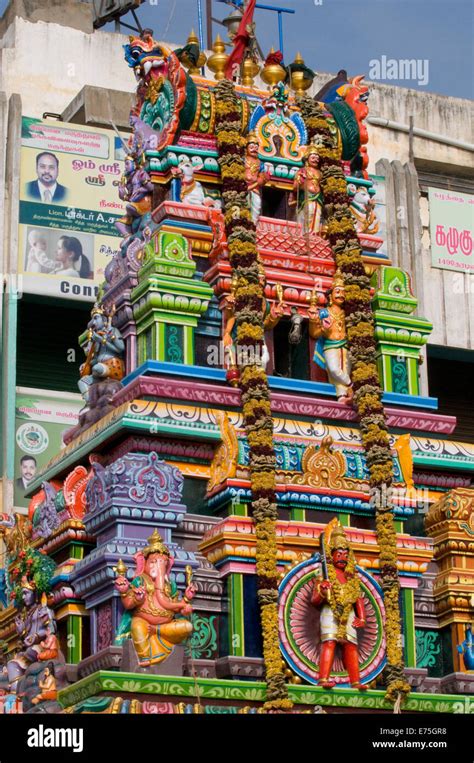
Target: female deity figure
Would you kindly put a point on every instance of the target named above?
(155, 617)
(339, 596)
(104, 352)
(272, 314)
(256, 177)
(306, 194)
(328, 326)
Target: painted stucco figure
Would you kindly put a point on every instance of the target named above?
(191, 190)
(256, 177)
(339, 596)
(467, 648)
(272, 314)
(35, 626)
(328, 326)
(104, 352)
(156, 617)
(306, 194)
(136, 191)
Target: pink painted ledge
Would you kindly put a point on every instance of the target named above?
(297, 405)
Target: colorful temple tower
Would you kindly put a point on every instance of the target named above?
(236, 523)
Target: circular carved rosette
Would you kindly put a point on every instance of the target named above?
(299, 626)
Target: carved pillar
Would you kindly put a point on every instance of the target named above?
(450, 522)
(168, 301)
(400, 335)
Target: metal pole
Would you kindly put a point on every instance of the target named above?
(280, 32)
(209, 23)
(200, 30)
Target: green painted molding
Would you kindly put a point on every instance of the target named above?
(250, 691)
(126, 422)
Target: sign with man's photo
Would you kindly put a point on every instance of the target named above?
(41, 419)
(69, 204)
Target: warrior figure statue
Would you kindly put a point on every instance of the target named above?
(339, 596)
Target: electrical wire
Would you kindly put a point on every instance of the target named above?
(169, 20)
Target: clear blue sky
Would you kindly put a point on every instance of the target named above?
(336, 34)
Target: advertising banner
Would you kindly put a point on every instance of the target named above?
(68, 206)
(41, 419)
(451, 230)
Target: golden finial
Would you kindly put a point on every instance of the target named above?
(121, 568)
(250, 69)
(194, 68)
(272, 74)
(156, 545)
(300, 82)
(218, 60)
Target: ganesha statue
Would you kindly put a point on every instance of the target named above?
(155, 616)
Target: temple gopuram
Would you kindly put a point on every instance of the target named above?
(259, 510)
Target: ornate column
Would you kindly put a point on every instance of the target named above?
(168, 301)
(400, 335)
(450, 522)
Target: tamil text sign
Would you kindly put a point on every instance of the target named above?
(451, 230)
(69, 204)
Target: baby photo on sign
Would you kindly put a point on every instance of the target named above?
(54, 252)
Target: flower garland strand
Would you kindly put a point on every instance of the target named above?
(243, 257)
(367, 391)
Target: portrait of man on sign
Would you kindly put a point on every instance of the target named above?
(46, 187)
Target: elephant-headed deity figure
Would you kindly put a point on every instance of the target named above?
(155, 616)
(339, 596)
(36, 628)
(104, 351)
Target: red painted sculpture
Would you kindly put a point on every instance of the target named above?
(339, 596)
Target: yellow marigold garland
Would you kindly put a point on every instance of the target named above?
(367, 392)
(243, 256)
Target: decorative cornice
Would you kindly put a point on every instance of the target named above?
(221, 394)
(253, 692)
(235, 537)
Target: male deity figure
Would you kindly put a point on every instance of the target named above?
(328, 326)
(256, 177)
(136, 190)
(104, 352)
(272, 314)
(306, 194)
(339, 596)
